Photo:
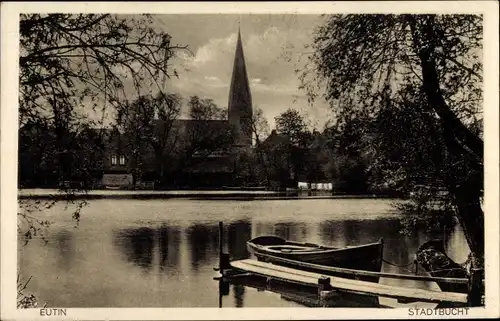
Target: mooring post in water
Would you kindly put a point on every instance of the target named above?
(223, 290)
(475, 287)
(219, 268)
(221, 242)
(223, 257)
(323, 287)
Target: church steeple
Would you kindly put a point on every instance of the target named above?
(240, 98)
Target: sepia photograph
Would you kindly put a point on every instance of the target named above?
(234, 158)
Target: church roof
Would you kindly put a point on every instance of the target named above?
(239, 92)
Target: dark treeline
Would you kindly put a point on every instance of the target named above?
(157, 146)
(148, 140)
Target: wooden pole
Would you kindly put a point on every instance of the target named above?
(224, 260)
(221, 247)
(474, 288)
(221, 239)
(220, 293)
(323, 286)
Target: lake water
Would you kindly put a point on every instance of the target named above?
(161, 253)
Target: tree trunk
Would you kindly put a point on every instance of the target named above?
(461, 143)
(162, 171)
(135, 165)
(159, 166)
(471, 218)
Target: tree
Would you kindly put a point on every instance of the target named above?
(163, 136)
(148, 123)
(260, 126)
(291, 124)
(373, 63)
(277, 152)
(133, 121)
(69, 61)
(207, 133)
(338, 156)
(260, 131)
(37, 166)
(205, 109)
(67, 58)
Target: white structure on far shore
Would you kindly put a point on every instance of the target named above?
(315, 186)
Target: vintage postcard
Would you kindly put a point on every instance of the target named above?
(238, 160)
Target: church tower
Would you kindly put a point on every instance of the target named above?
(240, 99)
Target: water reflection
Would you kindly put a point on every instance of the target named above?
(239, 294)
(351, 232)
(203, 242)
(290, 230)
(162, 261)
(142, 245)
(65, 245)
(238, 233)
(169, 241)
(137, 245)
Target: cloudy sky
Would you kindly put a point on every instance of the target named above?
(267, 40)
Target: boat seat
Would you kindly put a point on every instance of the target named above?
(292, 248)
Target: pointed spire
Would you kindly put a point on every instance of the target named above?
(240, 99)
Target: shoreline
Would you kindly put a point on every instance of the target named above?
(51, 194)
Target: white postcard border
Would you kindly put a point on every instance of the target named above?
(9, 102)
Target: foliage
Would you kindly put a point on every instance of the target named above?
(365, 58)
(408, 148)
(25, 301)
(66, 59)
(251, 167)
(414, 82)
(426, 209)
(292, 125)
(148, 124)
(260, 126)
(73, 62)
(294, 145)
(277, 154)
(205, 109)
(207, 133)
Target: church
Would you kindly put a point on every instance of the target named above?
(214, 169)
(240, 110)
(208, 153)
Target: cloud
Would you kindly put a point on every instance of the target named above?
(273, 81)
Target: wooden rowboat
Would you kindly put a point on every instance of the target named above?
(366, 257)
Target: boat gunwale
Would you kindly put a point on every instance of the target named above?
(321, 249)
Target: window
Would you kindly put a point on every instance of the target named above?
(122, 160)
(113, 160)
